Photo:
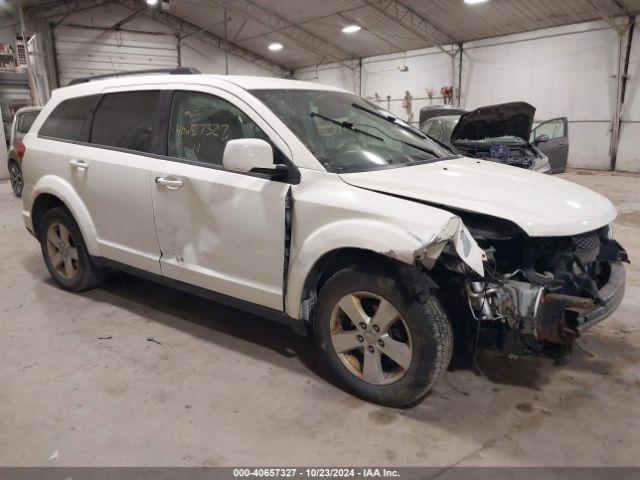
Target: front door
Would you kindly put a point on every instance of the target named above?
(557, 145)
(217, 229)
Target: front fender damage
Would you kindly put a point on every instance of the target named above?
(455, 237)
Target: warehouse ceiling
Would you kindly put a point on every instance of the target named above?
(310, 31)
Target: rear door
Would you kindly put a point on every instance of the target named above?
(557, 146)
(110, 172)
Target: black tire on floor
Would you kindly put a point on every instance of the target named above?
(87, 275)
(428, 325)
(17, 182)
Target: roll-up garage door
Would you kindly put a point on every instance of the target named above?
(86, 51)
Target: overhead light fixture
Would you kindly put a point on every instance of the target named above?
(352, 28)
(275, 46)
(152, 2)
(473, 2)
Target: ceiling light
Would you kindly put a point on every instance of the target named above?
(275, 46)
(473, 2)
(352, 28)
(152, 2)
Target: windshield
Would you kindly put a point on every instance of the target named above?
(448, 125)
(349, 134)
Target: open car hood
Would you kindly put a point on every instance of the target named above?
(505, 119)
(541, 205)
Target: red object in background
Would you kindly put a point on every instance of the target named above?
(447, 93)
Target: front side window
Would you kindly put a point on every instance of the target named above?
(202, 124)
(347, 133)
(553, 129)
(125, 120)
(70, 119)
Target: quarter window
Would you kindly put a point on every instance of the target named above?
(125, 120)
(202, 124)
(25, 121)
(70, 119)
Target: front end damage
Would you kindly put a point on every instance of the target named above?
(546, 290)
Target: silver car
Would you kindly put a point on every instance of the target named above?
(22, 121)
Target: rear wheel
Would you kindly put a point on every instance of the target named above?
(65, 253)
(381, 344)
(15, 174)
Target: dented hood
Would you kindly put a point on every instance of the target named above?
(506, 119)
(541, 205)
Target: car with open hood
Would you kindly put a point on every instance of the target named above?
(501, 133)
(311, 206)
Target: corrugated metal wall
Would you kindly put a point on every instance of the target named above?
(83, 52)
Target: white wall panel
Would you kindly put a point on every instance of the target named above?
(208, 59)
(83, 52)
(332, 74)
(568, 71)
(564, 71)
(589, 145)
(427, 69)
(154, 51)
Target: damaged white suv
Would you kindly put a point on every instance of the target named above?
(311, 206)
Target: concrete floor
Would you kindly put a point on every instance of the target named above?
(80, 385)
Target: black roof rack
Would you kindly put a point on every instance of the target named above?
(170, 71)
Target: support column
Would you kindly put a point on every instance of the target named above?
(624, 53)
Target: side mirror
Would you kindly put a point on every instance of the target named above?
(251, 155)
(541, 138)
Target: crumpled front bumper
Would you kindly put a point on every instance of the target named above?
(561, 318)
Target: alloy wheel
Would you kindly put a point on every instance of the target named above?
(15, 175)
(62, 251)
(371, 338)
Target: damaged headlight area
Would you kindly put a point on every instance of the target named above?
(546, 289)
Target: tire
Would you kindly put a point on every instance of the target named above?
(17, 181)
(420, 324)
(65, 253)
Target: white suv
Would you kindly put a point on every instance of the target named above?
(312, 206)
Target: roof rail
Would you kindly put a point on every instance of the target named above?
(170, 71)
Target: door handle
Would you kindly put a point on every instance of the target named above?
(79, 164)
(169, 182)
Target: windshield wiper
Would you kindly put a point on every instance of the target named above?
(346, 125)
(390, 119)
(412, 145)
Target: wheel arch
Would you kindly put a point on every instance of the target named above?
(328, 250)
(51, 192)
(335, 260)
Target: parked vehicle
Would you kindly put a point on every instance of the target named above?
(22, 121)
(432, 111)
(308, 205)
(501, 133)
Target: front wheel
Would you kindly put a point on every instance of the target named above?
(15, 174)
(382, 345)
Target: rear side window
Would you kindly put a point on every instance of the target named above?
(70, 120)
(125, 120)
(26, 120)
